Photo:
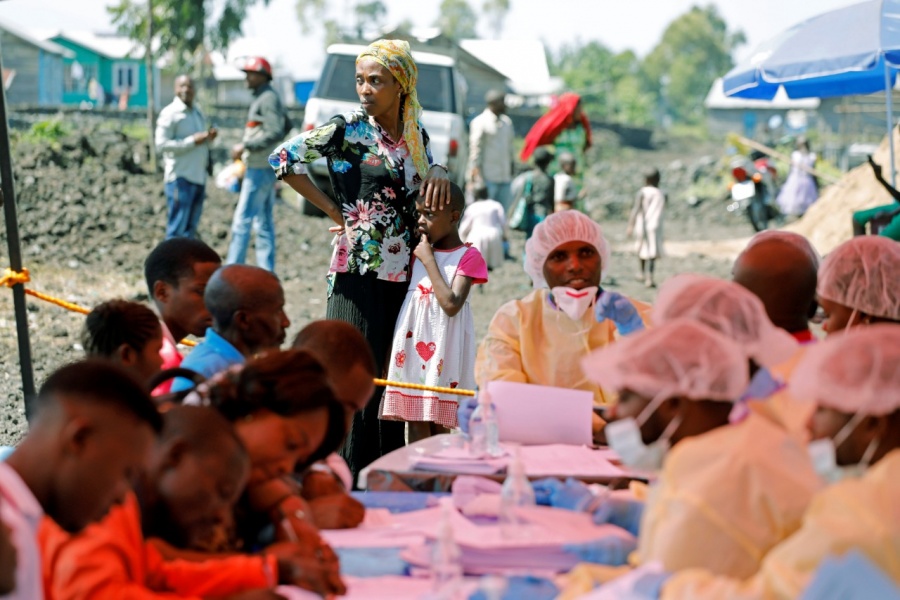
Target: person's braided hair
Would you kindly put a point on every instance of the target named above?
(117, 322)
(285, 382)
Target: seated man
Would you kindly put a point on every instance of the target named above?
(197, 471)
(779, 268)
(247, 307)
(177, 272)
(725, 493)
(858, 284)
(853, 381)
(92, 428)
(542, 338)
(127, 333)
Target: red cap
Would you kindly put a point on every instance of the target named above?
(257, 64)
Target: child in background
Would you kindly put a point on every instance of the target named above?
(434, 342)
(483, 225)
(127, 333)
(646, 224)
(176, 272)
(566, 192)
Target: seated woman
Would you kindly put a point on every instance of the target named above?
(542, 338)
(858, 284)
(285, 413)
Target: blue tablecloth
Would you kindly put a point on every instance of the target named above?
(398, 502)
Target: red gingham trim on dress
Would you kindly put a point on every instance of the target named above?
(400, 406)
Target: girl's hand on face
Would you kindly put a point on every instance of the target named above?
(436, 189)
(424, 251)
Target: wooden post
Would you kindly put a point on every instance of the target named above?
(151, 87)
(7, 185)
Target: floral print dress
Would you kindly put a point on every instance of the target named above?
(372, 177)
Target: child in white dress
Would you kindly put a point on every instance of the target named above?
(646, 224)
(434, 341)
(483, 226)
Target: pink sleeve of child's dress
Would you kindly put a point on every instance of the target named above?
(472, 265)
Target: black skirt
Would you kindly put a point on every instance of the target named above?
(373, 306)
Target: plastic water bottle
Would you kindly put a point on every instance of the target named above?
(483, 429)
(516, 494)
(446, 557)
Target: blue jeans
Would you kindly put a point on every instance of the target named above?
(185, 200)
(499, 191)
(254, 207)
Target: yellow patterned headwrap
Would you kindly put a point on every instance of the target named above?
(394, 55)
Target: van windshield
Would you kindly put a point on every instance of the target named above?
(338, 82)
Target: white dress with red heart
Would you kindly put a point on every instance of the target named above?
(430, 347)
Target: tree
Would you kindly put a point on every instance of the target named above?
(182, 27)
(608, 83)
(695, 49)
(368, 19)
(457, 20)
(495, 11)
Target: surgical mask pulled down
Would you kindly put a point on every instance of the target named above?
(624, 436)
(574, 303)
(823, 454)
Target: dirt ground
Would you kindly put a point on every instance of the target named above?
(89, 217)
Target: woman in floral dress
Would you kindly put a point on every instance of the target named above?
(377, 157)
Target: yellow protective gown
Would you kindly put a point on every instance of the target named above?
(791, 413)
(529, 341)
(726, 497)
(859, 513)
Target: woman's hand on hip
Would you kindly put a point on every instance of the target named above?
(435, 189)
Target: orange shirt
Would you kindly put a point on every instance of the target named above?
(111, 560)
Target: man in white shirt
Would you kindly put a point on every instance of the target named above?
(183, 138)
(491, 153)
(92, 428)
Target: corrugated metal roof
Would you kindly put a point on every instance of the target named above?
(45, 45)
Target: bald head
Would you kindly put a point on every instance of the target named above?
(780, 269)
(247, 307)
(234, 288)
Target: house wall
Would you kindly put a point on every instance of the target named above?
(479, 82)
(51, 79)
(105, 70)
(24, 59)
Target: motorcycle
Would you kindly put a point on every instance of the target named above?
(754, 189)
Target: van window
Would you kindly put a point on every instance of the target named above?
(338, 82)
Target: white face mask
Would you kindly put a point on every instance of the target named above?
(624, 436)
(574, 302)
(823, 454)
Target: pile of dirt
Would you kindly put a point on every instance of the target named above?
(827, 223)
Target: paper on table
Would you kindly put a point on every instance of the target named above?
(466, 466)
(623, 587)
(385, 530)
(538, 414)
(379, 588)
(569, 461)
(539, 544)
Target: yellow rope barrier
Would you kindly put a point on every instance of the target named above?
(11, 278)
(424, 388)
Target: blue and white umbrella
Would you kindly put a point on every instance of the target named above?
(848, 51)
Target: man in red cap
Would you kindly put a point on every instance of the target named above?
(267, 124)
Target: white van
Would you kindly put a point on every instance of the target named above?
(441, 91)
